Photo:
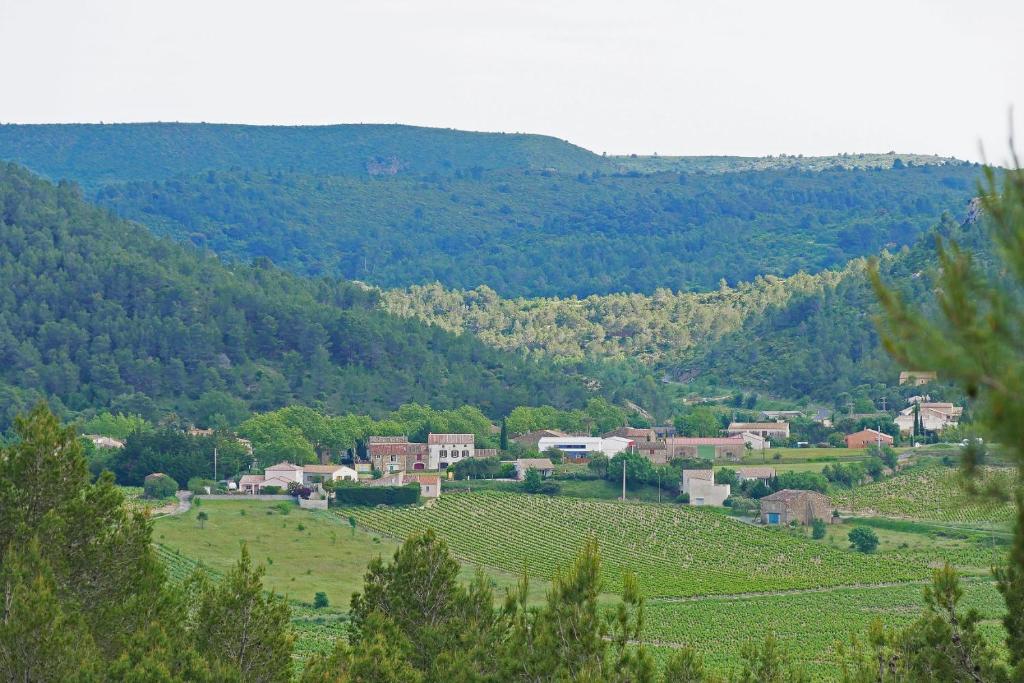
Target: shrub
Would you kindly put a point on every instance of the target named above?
(271, 490)
(863, 539)
(159, 485)
(683, 499)
(353, 494)
(320, 600)
(197, 485)
(817, 529)
(283, 507)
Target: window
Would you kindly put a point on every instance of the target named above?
(465, 454)
(444, 454)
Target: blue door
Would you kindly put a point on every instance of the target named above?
(773, 517)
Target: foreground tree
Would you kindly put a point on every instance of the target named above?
(83, 596)
(975, 341)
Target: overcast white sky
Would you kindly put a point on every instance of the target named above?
(745, 77)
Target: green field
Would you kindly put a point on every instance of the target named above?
(322, 556)
(933, 493)
(808, 625)
(673, 550)
(694, 565)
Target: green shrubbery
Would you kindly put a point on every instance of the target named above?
(376, 495)
(159, 485)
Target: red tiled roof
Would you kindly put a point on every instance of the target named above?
(449, 438)
(704, 440)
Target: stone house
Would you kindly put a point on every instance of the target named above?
(793, 505)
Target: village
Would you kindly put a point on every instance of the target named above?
(727, 470)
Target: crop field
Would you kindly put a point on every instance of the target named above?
(674, 551)
(808, 625)
(932, 493)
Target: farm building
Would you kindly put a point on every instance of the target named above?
(531, 439)
(792, 505)
(543, 466)
(705, 448)
(655, 451)
(917, 377)
(396, 454)
(312, 474)
(749, 473)
(779, 430)
(867, 437)
(430, 484)
(700, 486)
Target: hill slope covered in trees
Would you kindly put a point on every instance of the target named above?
(96, 312)
(802, 336)
(525, 215)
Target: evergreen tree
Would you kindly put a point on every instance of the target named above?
(241, 628)
(975, 342)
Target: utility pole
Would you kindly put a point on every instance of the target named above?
(883, 403)
(623, 480)
(215, 463)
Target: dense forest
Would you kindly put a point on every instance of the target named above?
(803, 336)
(93, 154)
(547, 234)
(98, 313)
(524, 215)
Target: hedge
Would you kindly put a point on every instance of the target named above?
(377, 495)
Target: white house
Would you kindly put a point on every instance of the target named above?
(447, 449)
(284, 473)
(701, 487)
(104, 441)
(312, 474)
(934, 417)
(284, 470)
(579, 446)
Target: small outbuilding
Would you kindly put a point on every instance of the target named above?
(544, 467)
(795, 505)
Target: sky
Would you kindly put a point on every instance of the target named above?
(746, 77)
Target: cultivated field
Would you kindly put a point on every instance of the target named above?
(933, 493)
(674, 550)
(809, 626)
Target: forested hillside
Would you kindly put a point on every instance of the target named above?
(822, 344)
(548, 234)
(397, 206)
(96, 312)
(802, 336)
(93, 154)
(660, 329)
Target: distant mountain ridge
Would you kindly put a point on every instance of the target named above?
(94, 154)
(526, 215)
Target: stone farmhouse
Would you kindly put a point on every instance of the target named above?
(544, 467)
(446, 449)
(794, 505)
(396, 454)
